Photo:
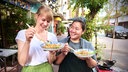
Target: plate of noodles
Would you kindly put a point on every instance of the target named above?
(52, 47)
(84, 53)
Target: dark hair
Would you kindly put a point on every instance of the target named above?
(83, 24)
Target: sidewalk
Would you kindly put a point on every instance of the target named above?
(117, 69)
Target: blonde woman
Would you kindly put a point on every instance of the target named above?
(30, 54)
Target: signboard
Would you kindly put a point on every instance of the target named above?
(20, 3)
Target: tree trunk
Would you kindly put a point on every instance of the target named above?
(77, 12)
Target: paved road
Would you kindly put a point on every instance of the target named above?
(120, 51)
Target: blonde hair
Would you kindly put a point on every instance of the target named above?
(45, 10)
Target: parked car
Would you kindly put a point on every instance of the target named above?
(120, 32)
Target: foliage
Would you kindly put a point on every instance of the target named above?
(60, 28)
(31, 20)
(99, 51)
(116, 8)
(94, 6)
(109, 8)
(90, 28)
(124, 7)
(14, 19)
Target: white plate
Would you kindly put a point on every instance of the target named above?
(90, 53)
(53, 49)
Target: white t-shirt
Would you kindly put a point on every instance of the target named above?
(36, 53)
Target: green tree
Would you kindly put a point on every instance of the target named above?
(94, 6)
(60, 28)
(13, 19)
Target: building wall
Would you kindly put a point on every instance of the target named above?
(122, 21)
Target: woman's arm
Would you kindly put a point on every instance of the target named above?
(23, 50)
(60, 58)
(23, 46)
(91, 62)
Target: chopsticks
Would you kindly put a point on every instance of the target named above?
(71, 49)
(38, 37)
(28, 25)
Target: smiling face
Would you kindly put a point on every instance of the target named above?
(42, 22)
(75, 31)
(43, 17)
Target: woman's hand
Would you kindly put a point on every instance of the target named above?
(82, 58)
(30, 33)
(63, 52)
(90, 61)
(66, 49)
(23, 47)
(52, 56)
(52, 53)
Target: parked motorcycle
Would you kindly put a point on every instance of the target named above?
(105, 66)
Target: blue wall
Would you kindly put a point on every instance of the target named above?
(34, 7)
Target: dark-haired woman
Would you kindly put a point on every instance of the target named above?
(67, 60)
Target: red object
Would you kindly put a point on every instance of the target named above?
(103, 70)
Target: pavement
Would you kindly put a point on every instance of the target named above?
(119, 52)
(117, 69)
